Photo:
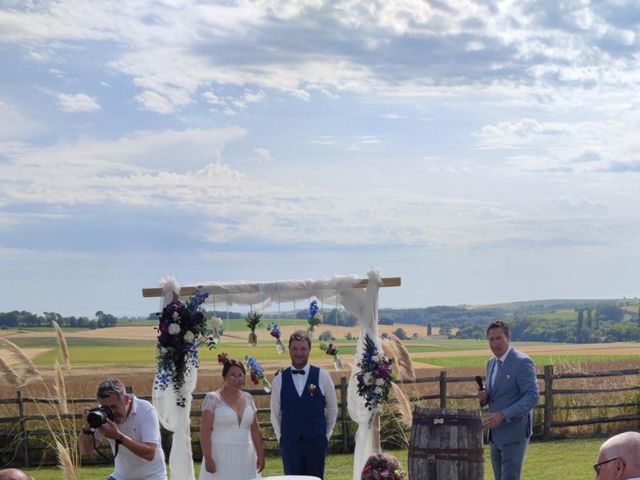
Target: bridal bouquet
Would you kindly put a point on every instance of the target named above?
(333, 351)
(374, 376)
(256, 373)
(274, 330)
(253, 320)
(181, 327)
(315, 317)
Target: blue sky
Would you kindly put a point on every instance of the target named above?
(483, 151)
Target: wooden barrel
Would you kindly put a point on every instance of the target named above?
(446, 444)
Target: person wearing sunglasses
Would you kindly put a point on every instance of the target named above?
(619, 458)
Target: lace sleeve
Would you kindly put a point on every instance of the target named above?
(210, 402)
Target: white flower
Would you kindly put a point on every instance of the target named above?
(175, 316)
(216, 322)
(189, 337)
(368, 378)
(376, 358)
(174, 329)
(380, 382)
(164, 350)
(378, 390)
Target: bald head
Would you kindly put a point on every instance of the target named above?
(13, 474)
(624, 447)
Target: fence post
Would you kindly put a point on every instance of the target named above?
(23, 429)
(443, 389)
(548, 401)
(344, 415)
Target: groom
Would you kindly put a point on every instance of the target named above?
(303, 410)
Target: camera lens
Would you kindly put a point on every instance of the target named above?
(98, 416)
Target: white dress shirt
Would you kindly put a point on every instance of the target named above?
(495, 366)
(327, 388)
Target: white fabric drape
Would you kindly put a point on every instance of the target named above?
(325, 290)
(363, 305)
(175, 418)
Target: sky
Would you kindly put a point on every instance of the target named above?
(481, 150)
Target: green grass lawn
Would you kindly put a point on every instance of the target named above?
(481, 361)
(144, 353)
(557, 460)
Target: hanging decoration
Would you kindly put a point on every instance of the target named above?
(253, 320)
(256, 373)
(315, 317)
(332, 350)
(275, 332)
(374, 376)
(181, 328)
(216, 331)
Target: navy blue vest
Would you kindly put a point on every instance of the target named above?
(302, 417)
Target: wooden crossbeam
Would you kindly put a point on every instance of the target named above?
(255, 287)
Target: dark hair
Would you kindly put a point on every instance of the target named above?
(110, 386)
(500, 324)
(230, 362)
(300, 335)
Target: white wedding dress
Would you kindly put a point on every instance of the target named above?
(231, 446)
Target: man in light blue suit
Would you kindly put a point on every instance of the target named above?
(511, 393)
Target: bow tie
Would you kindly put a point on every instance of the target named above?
(297, 372)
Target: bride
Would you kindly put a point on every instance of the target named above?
(230, 434)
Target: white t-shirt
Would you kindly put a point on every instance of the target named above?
(141, 425)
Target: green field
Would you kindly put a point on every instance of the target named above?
(84, 351)
(481, 361)
(557, 460)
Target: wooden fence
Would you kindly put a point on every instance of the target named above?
(24, 441)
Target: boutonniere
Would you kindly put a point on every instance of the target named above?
(508, 376)
(312, 389)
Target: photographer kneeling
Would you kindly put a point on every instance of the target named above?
(131, 426)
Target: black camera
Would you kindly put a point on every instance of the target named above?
(98, 416)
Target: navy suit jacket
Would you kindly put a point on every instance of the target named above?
(514, 393)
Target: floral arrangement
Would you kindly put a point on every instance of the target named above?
(382, 467)
(256, 373)
(332, 350)
(216, 331)
(222, 358)
(312, 389)
(315, 317)
(275, 332)
(253, 320)
(374, 376)
(181, 328)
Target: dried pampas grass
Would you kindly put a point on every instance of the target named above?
(394, 348)
(25, 369)
(65, 463)
(402, 404)
(62, 342)
(61, 390)
(8, 375)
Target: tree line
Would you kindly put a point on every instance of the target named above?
(603, 322)
(17, 319)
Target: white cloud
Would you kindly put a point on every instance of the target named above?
(14, 125)
(154, 102)
(77, 103)
(263, 154)
(249, 98)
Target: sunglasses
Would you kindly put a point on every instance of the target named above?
(597, 466)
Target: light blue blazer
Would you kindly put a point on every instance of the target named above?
(514, 393)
